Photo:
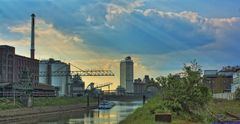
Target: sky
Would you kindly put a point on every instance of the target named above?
(159, 35)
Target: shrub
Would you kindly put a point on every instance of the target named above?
(185, 94)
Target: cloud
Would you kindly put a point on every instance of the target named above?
(20, 42)
(114, 10)
(161, 35)
(50, 42)
(212, 32)
(90, 19)
(194, 17)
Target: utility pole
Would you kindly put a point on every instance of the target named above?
(144, 99)
(14, 96)
(87, 100)
(98, 99)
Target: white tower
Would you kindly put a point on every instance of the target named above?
(126, 74)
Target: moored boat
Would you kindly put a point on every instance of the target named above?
(106, 105)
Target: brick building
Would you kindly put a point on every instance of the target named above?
(12, 65)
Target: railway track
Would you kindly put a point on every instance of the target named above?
(226, 117)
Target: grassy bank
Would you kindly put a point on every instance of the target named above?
(8, 103)
(222, 106)
(145, 114)
(55, 101)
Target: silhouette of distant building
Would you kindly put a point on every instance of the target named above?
(77, 86)
(146, 86)
(126, 74)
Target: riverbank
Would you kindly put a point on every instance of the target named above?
(93, 116)
(43, 106)
(8, 103)
(145, 114)
(16, 114)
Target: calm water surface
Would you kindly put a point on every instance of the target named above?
(112, 116)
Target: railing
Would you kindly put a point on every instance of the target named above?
(228, 96)
(34, 93)
(80, 73)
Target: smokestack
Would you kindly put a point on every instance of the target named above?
(33, 36)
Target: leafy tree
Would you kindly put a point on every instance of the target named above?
(185, 94)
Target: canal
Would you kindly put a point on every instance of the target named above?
(112, 116)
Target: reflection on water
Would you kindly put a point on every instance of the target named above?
(120, 111)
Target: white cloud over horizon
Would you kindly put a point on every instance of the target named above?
(160, 35)
(52, 43)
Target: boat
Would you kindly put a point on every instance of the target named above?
(106, 105)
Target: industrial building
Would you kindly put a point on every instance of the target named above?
(55, 73)
(146, 86)
(225, 80)
(45, 76)
(126, 74)
(20, 73)
(140, 85)
(12, 65)
(77, 86)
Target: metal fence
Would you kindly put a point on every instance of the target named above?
(228, 96)
(34, 93)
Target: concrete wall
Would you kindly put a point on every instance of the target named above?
(22, 113)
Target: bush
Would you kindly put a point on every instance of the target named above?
(185, 94)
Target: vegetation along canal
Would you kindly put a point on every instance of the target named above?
(109, 116)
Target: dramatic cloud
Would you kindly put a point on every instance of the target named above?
(115, 10)
(52, 43)
(161, 35)
(194, 17)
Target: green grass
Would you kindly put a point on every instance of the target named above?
(55, 101)
(222, 106)
(145, 114)
(8, 103)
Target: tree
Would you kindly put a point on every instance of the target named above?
(185, 94)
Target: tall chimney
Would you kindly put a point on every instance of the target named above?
(33, 36)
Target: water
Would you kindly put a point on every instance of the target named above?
(112, 116)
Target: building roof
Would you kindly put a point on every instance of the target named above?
(52, 61)
(230, 69)
(20, 56)
(210, 73)
(4, 46)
